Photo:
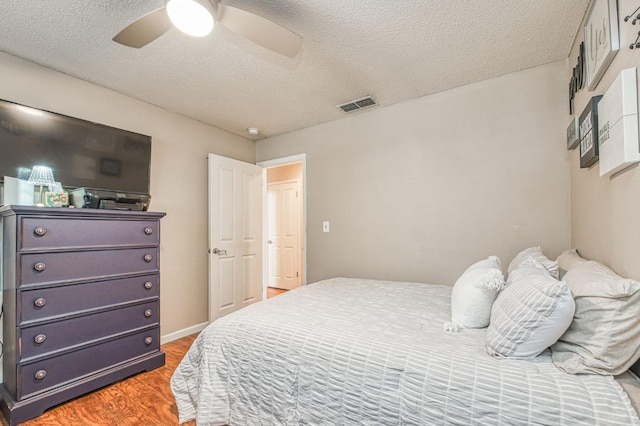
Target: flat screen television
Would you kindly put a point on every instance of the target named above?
(81, 153)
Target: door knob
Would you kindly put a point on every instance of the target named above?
(269, 242)
(219, 252)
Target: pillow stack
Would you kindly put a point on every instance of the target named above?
(532, 311)
(590, 319)
(604, 337)
(473, 294)
(538, 256)
(568, 260)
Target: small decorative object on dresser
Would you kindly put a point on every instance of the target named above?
(601, 39)
(81, 303)
(589, 133)
(56, 199)
(41, 176)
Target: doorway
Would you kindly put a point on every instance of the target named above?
(284, 224)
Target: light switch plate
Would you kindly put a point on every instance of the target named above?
(325, 226)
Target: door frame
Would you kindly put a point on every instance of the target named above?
(283, 161)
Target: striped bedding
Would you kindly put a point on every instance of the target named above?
(362, 352)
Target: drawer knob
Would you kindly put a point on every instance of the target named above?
(40, 231)
(148, 341)
(40, 302)
(148, 285)
(148, 258)
(148, 230)
(40, 266)
(40, 374)
(148, 313)
(40, 338)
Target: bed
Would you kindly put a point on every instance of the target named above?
(363, 352)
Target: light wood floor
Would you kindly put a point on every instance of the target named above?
(272, 292)
(141, 400)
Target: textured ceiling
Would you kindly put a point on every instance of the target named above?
(392, 50)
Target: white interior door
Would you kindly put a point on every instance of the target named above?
(283, 234)
(235, 235)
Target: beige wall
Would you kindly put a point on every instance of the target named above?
(419, 190)
(287, 172)
(605, 212)
(178, 172)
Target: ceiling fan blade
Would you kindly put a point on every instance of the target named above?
(259, 30)
(145, 29)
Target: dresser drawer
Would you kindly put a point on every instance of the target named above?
(38, 268)
(39, 376)
(46, 233)
(53, 302)
(42, 339)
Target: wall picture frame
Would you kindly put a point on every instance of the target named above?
(618, 141)
(601, 39)
(589, 134)
(573, 133)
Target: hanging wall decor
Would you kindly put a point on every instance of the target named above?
(589, 134)
(634, 17)
(601, 39)
(576, 82)
(573, 133)
(618, 124)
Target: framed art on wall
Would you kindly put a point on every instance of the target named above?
(589, 134)
(573, 133)
(618, 124)
(601, 39)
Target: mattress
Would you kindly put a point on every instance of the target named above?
(362, 352)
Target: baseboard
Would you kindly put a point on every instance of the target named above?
(182, 333)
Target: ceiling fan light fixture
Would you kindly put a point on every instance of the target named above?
(190, 17)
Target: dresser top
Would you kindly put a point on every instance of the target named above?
(76, 212)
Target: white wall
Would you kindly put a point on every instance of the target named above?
(605, 212)
(178, 172)
(417, 191)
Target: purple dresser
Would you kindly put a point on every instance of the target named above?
(81, 298)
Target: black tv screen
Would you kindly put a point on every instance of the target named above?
(81, 153)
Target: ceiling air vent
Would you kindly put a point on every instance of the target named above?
(358, 104)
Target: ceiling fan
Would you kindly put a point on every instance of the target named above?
(196, 18)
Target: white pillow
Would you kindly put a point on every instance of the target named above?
(604, 337)
(567, 260)
(536, 254)
(474, 293)
(530, 314)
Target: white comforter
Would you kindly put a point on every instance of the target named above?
(362, 352)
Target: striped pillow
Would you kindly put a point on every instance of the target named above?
(530, 314)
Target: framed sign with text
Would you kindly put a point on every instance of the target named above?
(589, 134)
(573, 133)
(601, 39)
